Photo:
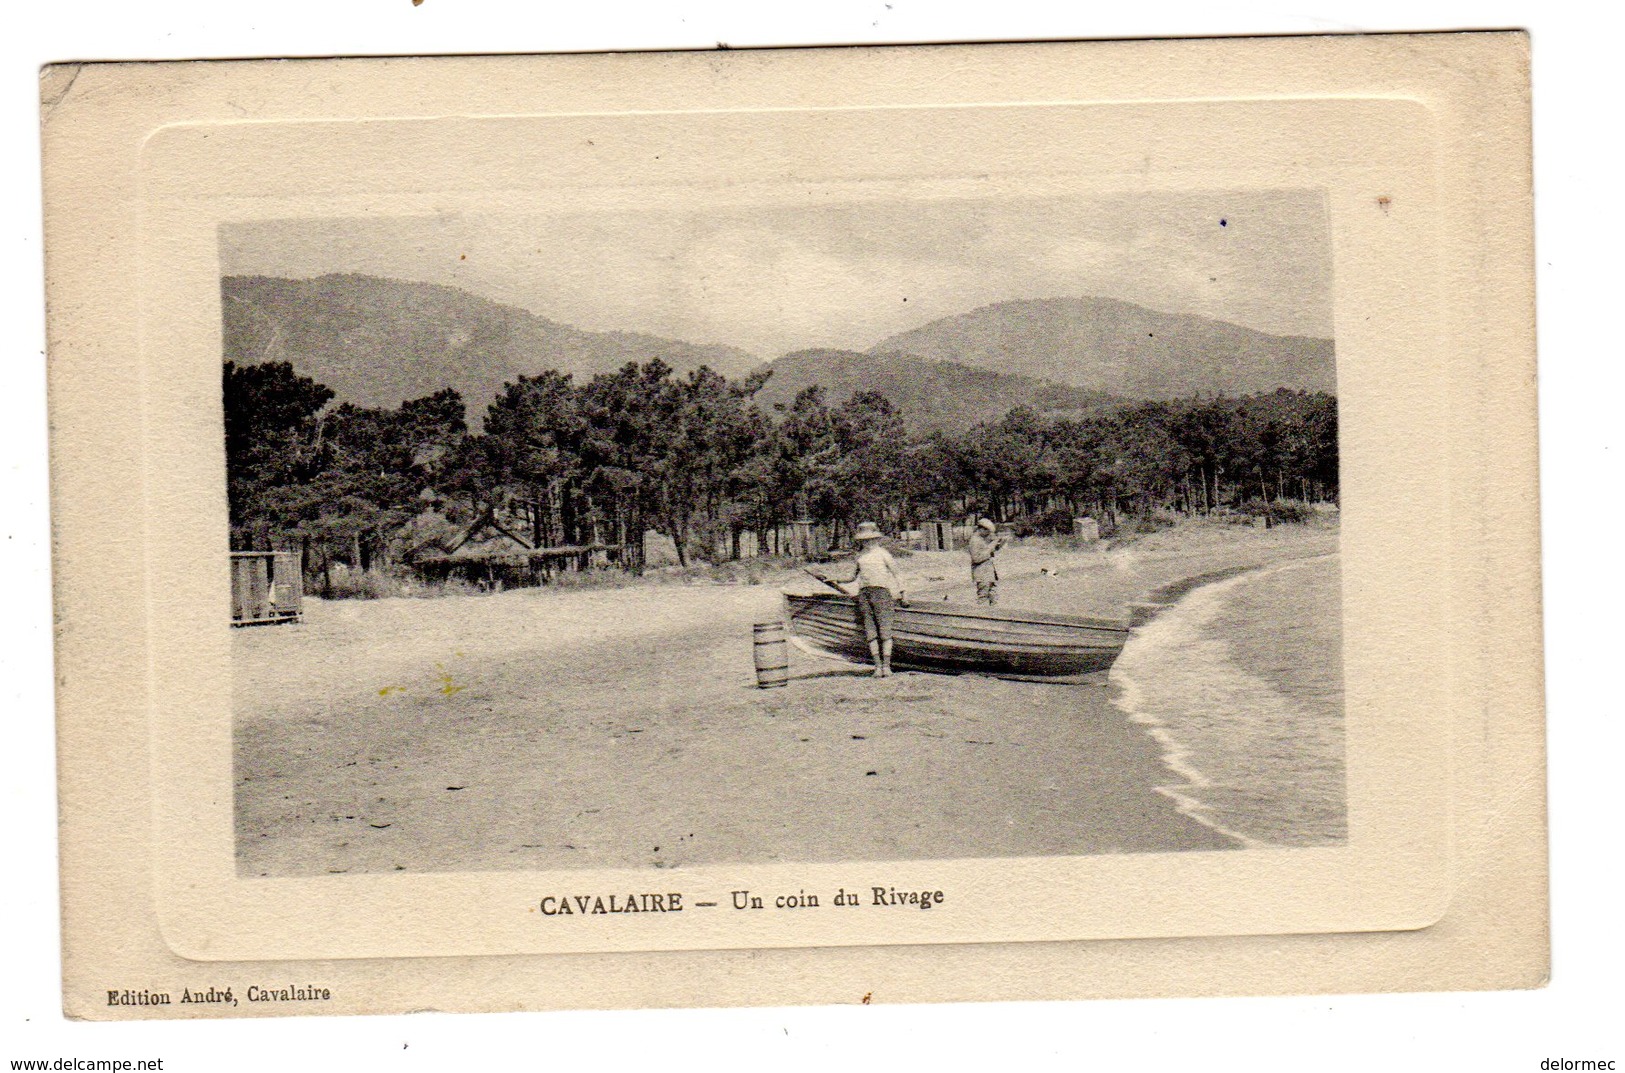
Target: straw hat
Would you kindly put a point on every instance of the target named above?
(868, 531)
(989, 524)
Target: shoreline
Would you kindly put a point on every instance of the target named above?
(491, 732)
(1217, 693)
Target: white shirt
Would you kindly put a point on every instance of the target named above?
(877, 568)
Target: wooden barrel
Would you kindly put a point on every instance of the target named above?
(772, 655)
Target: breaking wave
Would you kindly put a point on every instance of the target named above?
(1241, 683)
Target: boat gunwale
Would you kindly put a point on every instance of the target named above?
(964, 611)
(1084, 665)
(968, 652)
(1010, 642)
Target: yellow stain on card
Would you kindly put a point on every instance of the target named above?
(447, 686)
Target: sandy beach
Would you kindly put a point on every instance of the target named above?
(613, 728)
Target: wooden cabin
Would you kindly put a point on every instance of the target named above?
(266, 587)
(510, 569)
(940, 535)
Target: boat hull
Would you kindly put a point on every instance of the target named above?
(957, 639)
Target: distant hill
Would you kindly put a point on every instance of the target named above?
(1122, 349)
(378, 342)
(929, 394)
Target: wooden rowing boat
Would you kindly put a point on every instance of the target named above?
(954, 638)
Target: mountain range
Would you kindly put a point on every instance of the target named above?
(1122, 349)
(378, 342)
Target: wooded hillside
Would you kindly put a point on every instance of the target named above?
(928, 394)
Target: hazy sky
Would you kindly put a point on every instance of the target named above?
(777, 279)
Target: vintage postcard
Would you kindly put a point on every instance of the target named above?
(779, 527)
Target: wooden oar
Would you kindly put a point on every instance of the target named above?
(825, 580)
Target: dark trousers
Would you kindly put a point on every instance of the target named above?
(877, 611)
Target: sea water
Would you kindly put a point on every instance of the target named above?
(1241, 682)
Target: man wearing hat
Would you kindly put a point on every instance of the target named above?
(880, 589)
(984, 545)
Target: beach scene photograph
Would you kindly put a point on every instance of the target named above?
(888, 530)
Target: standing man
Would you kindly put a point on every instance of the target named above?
(880, 590)
(984, 545)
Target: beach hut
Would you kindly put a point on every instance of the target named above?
(939, 535)
(266, 587)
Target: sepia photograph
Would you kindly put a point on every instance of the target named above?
(897, 530)
(794, 527)
(456, 487)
